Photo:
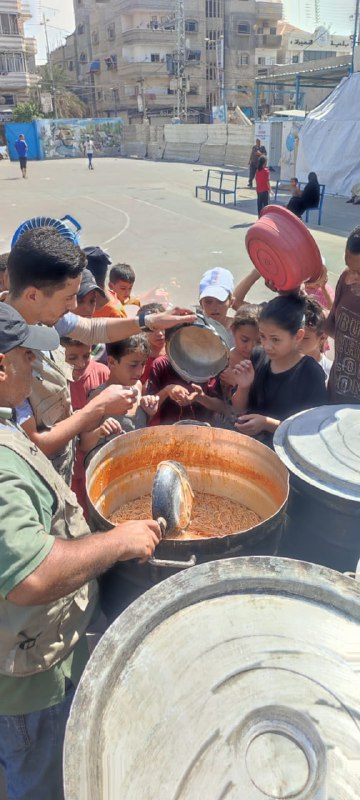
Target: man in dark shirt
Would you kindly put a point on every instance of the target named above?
(21, 149)
(257, 151)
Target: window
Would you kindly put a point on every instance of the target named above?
(9, 25)
(9, 99)
(70, 66)
(83, 58)
(295, 59)
(191, 26)
(12, 62)
(261, 60)
(272, 31)
(210, 73)
(111, 32)
(155, 57)
(244, 59)
(213, 8)
(244, 27)
(116, 94)
(95, 37)
(100, 94)
(80, 29)
(194, 55)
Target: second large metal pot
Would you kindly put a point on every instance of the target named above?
(218, 462)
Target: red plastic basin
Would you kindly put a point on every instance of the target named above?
(282, 249)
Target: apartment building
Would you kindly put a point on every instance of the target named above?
(122, 56)
(251, 47)
(17, 55)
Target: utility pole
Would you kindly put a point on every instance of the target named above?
(181, 94)
(52, 84)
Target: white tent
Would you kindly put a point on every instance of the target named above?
(329, 141)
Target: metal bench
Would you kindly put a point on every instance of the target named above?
(283, 187)
(220, 183)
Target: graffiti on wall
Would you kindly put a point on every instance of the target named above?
(65, 138)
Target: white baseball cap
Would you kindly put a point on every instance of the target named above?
(218, 283)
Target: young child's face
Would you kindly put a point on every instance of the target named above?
(122, 290)
(128, 370)
(277, 342)
(352, 274)
(216, 309)
(312, 343)
(246, 338)
(156, 341)
(78, 356)
(86, 305)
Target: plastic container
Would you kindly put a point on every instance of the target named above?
(49, 222)
(282, 249)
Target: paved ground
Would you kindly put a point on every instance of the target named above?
(146, 213)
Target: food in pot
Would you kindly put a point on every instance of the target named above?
(211, 516)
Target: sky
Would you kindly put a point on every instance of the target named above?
(60, 16)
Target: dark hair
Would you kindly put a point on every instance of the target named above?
(122, 272)
(312, 177)
(3, 261)
(353, 241)
(43, 258)
(120, 349)
(97, 262)
(314, 315)
(261, 163)
(152, 308)
(287, 311)
(247, 315)
(294, 179)
(66, 341)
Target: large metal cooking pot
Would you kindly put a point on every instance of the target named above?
(218, 462)
(321, 448)
(237, 679)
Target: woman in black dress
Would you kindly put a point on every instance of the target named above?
(309, 198)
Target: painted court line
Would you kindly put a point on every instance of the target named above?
(114, 208)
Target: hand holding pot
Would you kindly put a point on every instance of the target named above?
(137, 539)
(169, 319)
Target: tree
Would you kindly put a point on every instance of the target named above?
(26, 112)
(68, 104)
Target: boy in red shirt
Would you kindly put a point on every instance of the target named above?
(263, 188)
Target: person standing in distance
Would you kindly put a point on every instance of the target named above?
(256, 151)
(21, 149)
(89, 151)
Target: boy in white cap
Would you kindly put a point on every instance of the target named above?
(216, 295)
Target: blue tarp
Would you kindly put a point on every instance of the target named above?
(12, 132)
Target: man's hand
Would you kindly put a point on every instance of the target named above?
(168, 319)
(138, 539)
(115, 399)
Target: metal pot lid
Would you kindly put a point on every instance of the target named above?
(236, 679)
(198, 351)
(322, 447)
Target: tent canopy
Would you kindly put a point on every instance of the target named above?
(329, 139)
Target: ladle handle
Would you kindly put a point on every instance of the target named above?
(160, 562)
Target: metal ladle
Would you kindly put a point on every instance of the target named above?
(172, 499)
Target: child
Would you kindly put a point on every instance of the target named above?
(86, 304)
(315, 339)
(87, 376)
(294, 187)
(245, 330)
(178, 399)
(126, 360)
(283, 381)
(156, 340)
(121, 282)
(343, 323)
(322, 290)
(216, 295)
(3, 272)
(263, 188)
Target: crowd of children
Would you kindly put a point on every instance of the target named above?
(277, 366)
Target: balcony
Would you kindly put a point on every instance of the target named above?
(143, 5)
(18, 80)
(149, 36)
(139, 69)
(264, 10)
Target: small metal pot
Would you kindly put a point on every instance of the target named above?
(199, 350)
